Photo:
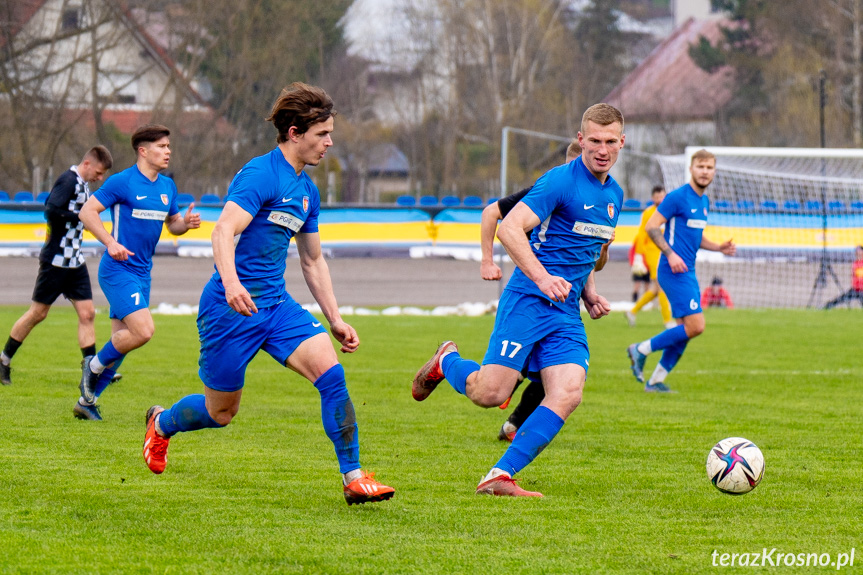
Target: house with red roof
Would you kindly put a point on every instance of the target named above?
(668, 103)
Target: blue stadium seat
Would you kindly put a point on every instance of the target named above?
(210, 200)
(472, 201)
(813, 206)
(631, 204)
(492, 200)
(450, 201)
(24, 197)
(428, 201)
(406, 201)
(745, 205)
(185, 199)
(4, 196)
(43, 197)
(791, 205)
(858, 205)
(722, 205)
(836, 205)
(648, 203)
(769, 205)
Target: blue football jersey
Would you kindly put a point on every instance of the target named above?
(577, 215)
(138, 209)
(282, 203)
(686, 213)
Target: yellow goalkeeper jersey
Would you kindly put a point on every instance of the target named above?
(644, 245)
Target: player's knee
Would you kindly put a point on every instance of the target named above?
(38, 315)
(223, 418)
(145, 334)
(484, 394)
(565, 398)
(489, 398)
(87, 316)
(694, 329)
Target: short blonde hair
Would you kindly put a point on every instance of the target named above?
(602, 114)
(702, 154)
(573, 150)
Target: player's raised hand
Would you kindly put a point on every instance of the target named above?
(193, 220)
(490, 271)
(555, 287)
(677, 264)
(239, 299)
(346, 335)
(728, 248)
(119, 252)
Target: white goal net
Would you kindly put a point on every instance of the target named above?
(795, 214)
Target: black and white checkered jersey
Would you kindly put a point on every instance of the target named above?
(65, 231)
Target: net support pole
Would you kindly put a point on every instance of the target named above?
(504, 163)
(824, 267)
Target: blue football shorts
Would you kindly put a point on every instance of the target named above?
(528, 330)
(230, 340)
(682, 291)
(126, 292)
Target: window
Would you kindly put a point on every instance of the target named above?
(71, 18)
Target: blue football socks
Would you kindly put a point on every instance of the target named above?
(532, 437)
(339, 418)
(669, 337)
(188, 414)
(106, 376)
(671, 355)
(456, 370)
(109, 354)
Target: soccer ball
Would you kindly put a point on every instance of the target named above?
(735, 465)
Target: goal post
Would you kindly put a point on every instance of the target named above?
(796, 215)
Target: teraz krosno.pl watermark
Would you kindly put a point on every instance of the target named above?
(776, 558)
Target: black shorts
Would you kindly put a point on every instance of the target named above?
(74, 283)
(645, 277)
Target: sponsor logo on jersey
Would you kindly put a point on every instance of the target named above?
(305, 204)
(593, 230)
(610, 211)
(586, 207)
(140, 197)
(164, 199)
(700, 224)
(286, 220)
(149, 215)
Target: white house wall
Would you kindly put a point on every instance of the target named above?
(126, 66)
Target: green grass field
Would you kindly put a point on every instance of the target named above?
(624, 482)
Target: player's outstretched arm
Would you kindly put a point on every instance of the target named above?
(89, 216)
(487, 228)
(511, 233)
(232, 222)
(317, 275)
(729, 248)
(180, 224)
